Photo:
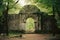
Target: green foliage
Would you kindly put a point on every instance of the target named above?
(44, 5)
(45, 2)
(1, 7)
(30, 24)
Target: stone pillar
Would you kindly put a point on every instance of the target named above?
(35, 26)
(20, 18)
(39, 22)
(42, 22)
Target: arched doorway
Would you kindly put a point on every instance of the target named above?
(30, 12)
(30, 25)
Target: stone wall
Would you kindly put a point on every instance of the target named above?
(13, 22)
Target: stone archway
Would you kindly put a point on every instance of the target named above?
(30, 25)
(30, 11)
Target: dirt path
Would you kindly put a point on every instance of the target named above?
(31, 37)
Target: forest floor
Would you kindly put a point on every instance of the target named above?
(32, 37)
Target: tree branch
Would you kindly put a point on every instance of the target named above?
(14, 4)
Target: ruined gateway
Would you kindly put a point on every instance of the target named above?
(18, 21)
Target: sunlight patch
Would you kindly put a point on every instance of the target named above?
(30, 26)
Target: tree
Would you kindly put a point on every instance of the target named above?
(5, 6)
